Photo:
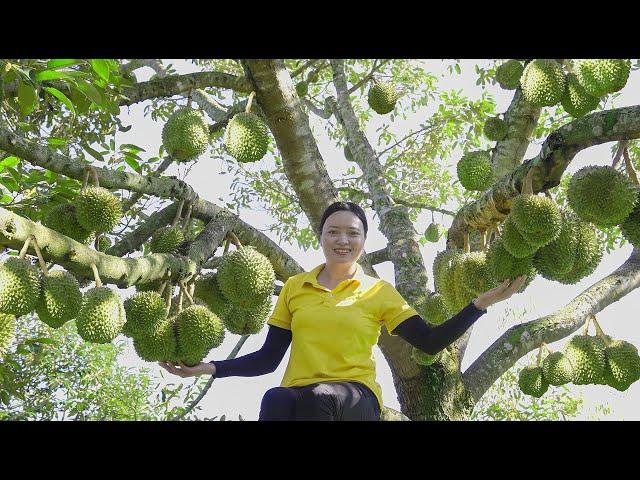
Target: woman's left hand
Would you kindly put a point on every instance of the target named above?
(498, 294)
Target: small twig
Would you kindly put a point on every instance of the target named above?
(187, 216)
(25, 247)
(631, 171)
(467, 246)
(586, 325)
(176, 219)
(250, 102)
(43, 264)
(227, 244)
(162, 287)
(234, 239)
(85, 178)
(168, 293)
(94, 174)
(622, 145)
(367, 77)
(180, 294)
(96, 276)
(185, 290)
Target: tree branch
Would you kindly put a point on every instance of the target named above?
(379, 256)
(126, 205)
(367, 77)
(203, 247)
(521, 339)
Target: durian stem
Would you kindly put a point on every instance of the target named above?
(43, 264)
(227, 244)
(85, 178)
(96, 276)
(96, 179)
(586, 325)
(187, 217)
(189, 98)
(467, 246)
(483, 236)
(622, 144)
(527, 184)
(539, 355)
(176, 219)
(548, 194)
(25, 247)
(235, 240)
(631, 171)
(250, 102)
(599, 331)
(546, 347)
(162, 287)
(185, 290)
(168, 293)
(180, 299)
(95, 242)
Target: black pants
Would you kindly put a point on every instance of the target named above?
(346, 401)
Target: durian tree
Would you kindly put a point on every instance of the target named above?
(60, 119)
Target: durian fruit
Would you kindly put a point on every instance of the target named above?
(472, 277)
(62, 219)
(347, 154)
(7, 332)
(104, 243)
(475, 171)
(160, 345)
(508, 74)
(602, 76)
(435, 310)
(246, 277)
(166, 239)
(145, 312)
(589, 249)
(208, 292)
(622, 365)
(557, 369)
(532, 382)
(61, 298)
(495, 129)
(601, 195)
(19, 286)
(441, 262)
(433, 232)
(543, 82)
(246, 137)
(575, 99)
(514, 242)
(198, 331)
(631, 226)
(246, 321)
(556, 259)
(502, 265)
(102, 315)
(445, 279)
(185, 136)
(537, 218)
(382, 97)
(98, 210)
(587, 357)
(302, 88)
(423, 358)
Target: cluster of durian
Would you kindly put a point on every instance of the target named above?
(586, 360)
(605, 197)
(578, 86)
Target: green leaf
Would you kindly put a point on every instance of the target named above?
(15, 174)
(6, 199)
(10, 161)
(62, 97)
(56, 141)
(46, 340)
(52, 75)
(132, 163)
(101, 67)
(4, 396)
(92, 152)
(27, 98)
(90, 92)
(130, 146)
(62, 62)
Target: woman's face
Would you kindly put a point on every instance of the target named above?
(342, 238)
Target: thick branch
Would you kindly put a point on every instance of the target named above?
(203, 247)
(126, 205)
(379, 256)
(521, 339)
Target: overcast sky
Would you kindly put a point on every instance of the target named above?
(242, 396)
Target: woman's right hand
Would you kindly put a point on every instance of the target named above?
(185, 371)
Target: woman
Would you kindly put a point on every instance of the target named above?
(332, 317)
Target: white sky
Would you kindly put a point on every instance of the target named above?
(241, 396)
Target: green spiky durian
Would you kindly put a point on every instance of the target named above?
(433, 232)
(145, 311)
(7, 332)
(589, 249)
(513, 241)
(185, 136)
(246, 277)
(441, 262)
(61, 298)
(104, 243)
(473, 277)
(198, 331)
(495, 129)
(207, 290)
(601, 195)
(532, 382)
(537, 218)
(448, 286)
(475, 171)
(623, 365)
(160, 345)
(382, 97)
(543, 82)
(502, 265)
(602, 76)
(102, 315)
(631, 226)
(246, 321)
(575, 99)
(19, 286)
(557, 369)
(246, 137)
(435, 310)
(302, 88)
(166, 239)
(98, 210)
(556, 258)
(423, 358)
(508, 74)
(587, 357)
(62, 219)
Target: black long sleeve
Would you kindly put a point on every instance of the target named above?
(431, 339)
(261, 362)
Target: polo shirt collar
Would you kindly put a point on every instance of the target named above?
(312, 276)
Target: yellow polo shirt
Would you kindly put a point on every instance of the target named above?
(334, 331)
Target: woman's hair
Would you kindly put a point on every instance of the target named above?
(347, 207)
